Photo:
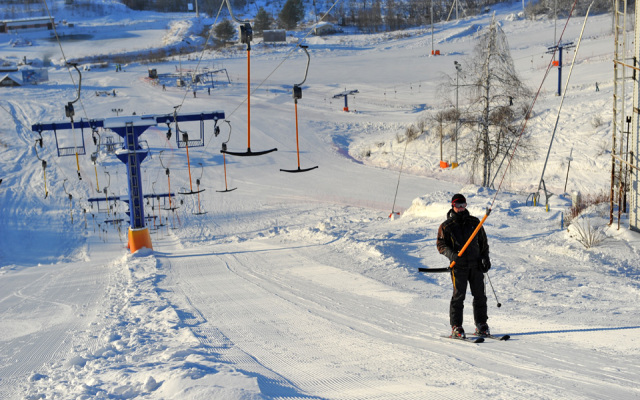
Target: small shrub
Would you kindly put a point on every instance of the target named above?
(412, 133)
(588, 200)
(596, 121)
(585, 233)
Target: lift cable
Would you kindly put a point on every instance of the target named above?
(166, 169)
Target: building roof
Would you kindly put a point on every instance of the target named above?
(12, 78)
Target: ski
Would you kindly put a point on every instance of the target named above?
(465, 339)
(502, 338)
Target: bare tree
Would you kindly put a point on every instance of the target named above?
(561, 8)
(499, 103)
(442, 121)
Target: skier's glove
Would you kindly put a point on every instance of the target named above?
(486, 265)
(452, 255)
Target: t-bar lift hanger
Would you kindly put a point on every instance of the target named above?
(246, 35)
(297, 94)
(224, 161)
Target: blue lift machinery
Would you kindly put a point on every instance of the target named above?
(132, 154)
(346, 94)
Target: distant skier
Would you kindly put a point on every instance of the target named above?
(469, 267)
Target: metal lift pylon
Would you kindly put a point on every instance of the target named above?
(132, 154)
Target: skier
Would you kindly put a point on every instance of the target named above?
(469, 268)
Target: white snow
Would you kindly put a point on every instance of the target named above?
(300, 285)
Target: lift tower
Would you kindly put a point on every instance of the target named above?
(132, 154)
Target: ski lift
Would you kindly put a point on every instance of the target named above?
(94, 160)
(95, 136)
(297, 94)
(198, 185)
(94, 156)
(70, 112)
(106, 199)
(224, 162)
(73, 150)
(185, 139)
(169, 132)
(106, 196)
(346, 94)
(44, 166)
(64, 186)
(186, 142)
(246, 35)
(39, 141)
(171, 208)
(151, 218)
(154, 198)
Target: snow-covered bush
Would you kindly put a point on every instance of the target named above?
(585, 233)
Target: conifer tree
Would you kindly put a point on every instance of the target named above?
(224, 31)
(291, 14)
(263, 21)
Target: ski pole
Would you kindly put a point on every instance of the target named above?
(494, 291)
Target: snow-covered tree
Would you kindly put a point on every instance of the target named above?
(497, 103)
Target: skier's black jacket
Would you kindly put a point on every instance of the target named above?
(454, 233)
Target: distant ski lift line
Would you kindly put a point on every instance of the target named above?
(346, 94)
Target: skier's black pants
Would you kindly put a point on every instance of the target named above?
(461, 276)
